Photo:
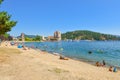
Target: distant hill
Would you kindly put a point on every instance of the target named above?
(29, 36)
(88, 35)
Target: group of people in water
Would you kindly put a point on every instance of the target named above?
(111, 69)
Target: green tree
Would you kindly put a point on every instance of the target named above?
(1, 1)
(28, 39)
(6, 23)
(6, 35)
(38, 38)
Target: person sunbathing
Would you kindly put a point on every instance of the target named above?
(63, 58)
(24, 48)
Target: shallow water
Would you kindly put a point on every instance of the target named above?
(101, 50)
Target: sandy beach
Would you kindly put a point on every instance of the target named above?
(19, 64)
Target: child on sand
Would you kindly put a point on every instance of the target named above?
(110, 69)
(115, 69)
(98, 64)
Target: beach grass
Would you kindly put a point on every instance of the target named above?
(58, 70)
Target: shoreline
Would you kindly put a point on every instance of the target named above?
(81, 60)
(93, 63)
(106, 53)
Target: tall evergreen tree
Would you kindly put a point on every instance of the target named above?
(1, 1)
(6, 23)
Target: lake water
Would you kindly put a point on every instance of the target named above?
(101, 50)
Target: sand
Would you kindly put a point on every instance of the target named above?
(19, 64)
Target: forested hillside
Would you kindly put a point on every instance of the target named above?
(88, 35)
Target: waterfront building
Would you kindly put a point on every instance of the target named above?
(57, 35)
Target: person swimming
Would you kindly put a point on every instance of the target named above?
(90, 52)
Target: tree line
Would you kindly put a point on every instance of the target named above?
(30, 38)
(36, 38)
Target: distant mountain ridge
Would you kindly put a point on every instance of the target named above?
(88, 35)
(29, 36)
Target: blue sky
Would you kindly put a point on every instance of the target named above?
(43, 17)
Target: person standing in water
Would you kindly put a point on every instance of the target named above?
(104, 63)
